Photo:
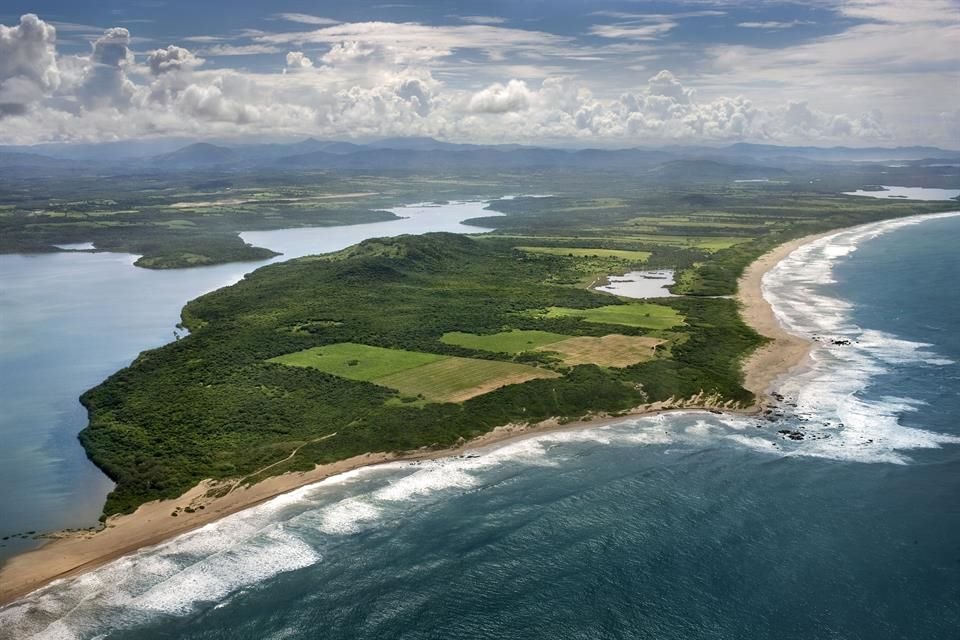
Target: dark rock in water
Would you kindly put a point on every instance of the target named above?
(716, 411)
(841, 342)
(792, 435)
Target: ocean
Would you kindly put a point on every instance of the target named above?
(685, 525)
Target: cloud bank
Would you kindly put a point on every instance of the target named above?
(362, 80)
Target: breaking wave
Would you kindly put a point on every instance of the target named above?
(827, 400)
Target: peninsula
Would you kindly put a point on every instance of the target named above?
(420, 347)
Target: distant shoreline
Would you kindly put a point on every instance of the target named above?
(152, 523)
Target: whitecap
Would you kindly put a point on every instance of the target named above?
(838, 422)
(348, 516)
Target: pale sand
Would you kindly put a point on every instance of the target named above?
(153, 523)
(786, 352)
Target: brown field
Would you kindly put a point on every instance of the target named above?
(614, 350)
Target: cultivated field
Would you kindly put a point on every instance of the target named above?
(357, 361)
(515, 341)
(613, 350)
(416, 375)
(643, 315)
(459, 379)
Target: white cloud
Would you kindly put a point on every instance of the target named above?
(484, 82)
(305, 18)
(348, 53)
(481, 19)
(413, 36)
(173, 58)
(296, 60)
(28, 63)
(240, 50)
(633, 31)
(498, 98)
(105, 82)
(772, 24)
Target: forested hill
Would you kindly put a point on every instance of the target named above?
(213, 405)
(398, 344)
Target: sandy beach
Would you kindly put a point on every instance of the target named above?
(153, 523)
(785, 352)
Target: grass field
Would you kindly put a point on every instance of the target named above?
(357, 361)
(643, 315)
(580, 252)
(707, 243)
(515, 341)
(459, 379)
(613, 350)
(426, 376)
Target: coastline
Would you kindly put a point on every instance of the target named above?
(152, 523)
(785, 353)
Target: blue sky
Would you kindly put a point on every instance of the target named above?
(587, 72)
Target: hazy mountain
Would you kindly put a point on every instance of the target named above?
(200, 154)
(737, 161)
(699, 170)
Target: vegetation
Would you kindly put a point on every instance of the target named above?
(613, 350)
(514, 341)
(457, 379)
(417, 375)
(405, 343)
(357, 361)
(636, 314)
(219, 404)
(638, 257)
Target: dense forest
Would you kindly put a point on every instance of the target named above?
(213, 405)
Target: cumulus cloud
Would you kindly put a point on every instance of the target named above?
(28, 64)
(348, 52)
(173, 58)
(105, 81)
(297, 60)
(799, 119)
(375, 81)
(498, 98)
(209, 102)
(113, 48)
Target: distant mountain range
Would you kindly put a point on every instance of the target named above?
(737, 161)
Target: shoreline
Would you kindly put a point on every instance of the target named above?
(153, 523)
(786, 353)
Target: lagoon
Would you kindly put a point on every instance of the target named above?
(71, 319)
(907, 193)
(640, 284)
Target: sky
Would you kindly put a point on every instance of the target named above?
(616, 73)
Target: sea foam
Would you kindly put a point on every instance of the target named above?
(839, 421)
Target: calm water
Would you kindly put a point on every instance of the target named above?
(909, 193)
(640, 284)
(69, 320)
(681, 526)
